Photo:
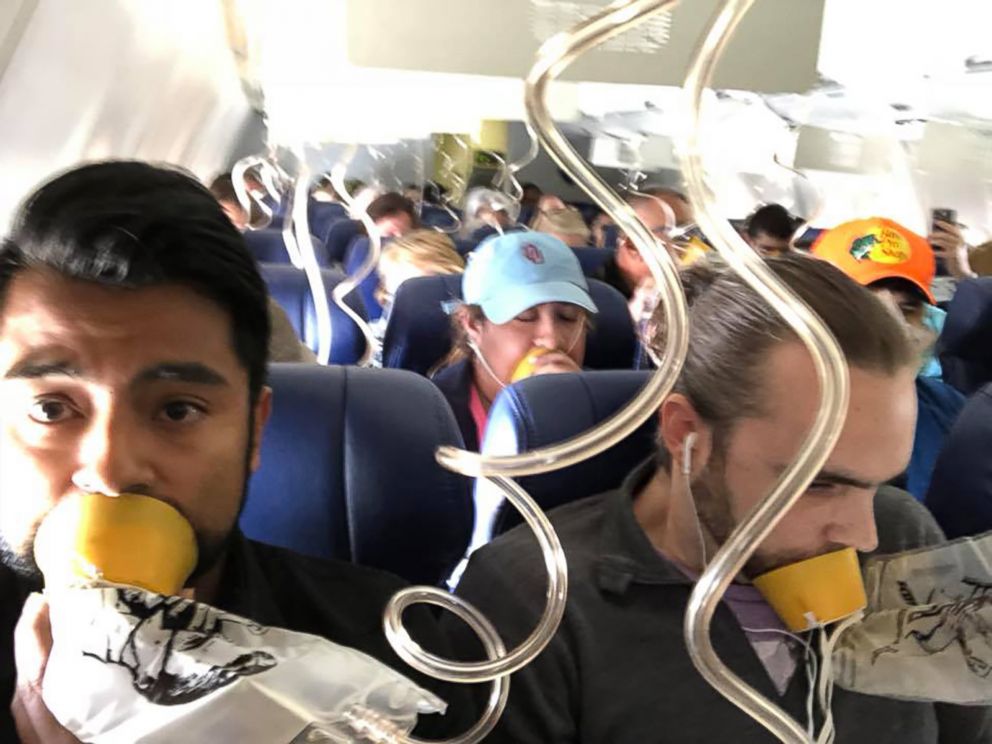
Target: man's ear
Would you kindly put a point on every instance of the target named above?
(263, 409)
(677, 420)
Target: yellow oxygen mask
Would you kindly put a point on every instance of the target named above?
(526, 366)
(133, 540)
(816, 591)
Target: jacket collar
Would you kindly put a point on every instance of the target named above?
(626, 555)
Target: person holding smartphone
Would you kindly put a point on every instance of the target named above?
(949, 246)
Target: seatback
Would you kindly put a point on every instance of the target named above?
(322, 215)
(289, 287)
(339, 237)
(355, 256)
(548, 409)
(965, 344)
(269, 246)
(348, 472)
(591, 258)
(960, 494)
(434, 216)
(418, 335)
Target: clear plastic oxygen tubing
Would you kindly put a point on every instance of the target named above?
(831, 371)
(372, 726)
(533, 150)
(241, 190)
(448, 167)
(298, 223)
(817, 210)
(350, 283)
(554, 56)
(459, 182)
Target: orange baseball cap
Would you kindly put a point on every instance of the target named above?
(877, 248)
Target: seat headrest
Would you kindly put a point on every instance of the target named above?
(269, 246)
(322, 215)
(339, 237)
(612, 342)
(418, 335)
(289, 287)
(354, 257)
(965, 344)
(348, 472)
(591, 258)
(548, 409)
(434, 216)
(962, 476)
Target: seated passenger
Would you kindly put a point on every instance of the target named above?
(284, 344)
(418, 253)
(545, 203)
(617, 671)
(898, 265)
(676, 201)
(133, 360)
(597, 229)
(487, 213)
(526, 302)
(393, 214)
(222, 187)
(769, 230)
(627, 270)
(531, 193)
(565, 224)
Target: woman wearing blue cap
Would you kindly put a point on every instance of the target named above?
(526, 311)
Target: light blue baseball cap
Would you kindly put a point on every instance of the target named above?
(511, 273)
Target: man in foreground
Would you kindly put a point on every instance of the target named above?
(133, 343)
(617, 671)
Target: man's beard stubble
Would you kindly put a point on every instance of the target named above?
(210, 548)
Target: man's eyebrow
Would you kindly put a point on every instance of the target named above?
(843, 479)
(33, 369)
(836, 478)
(191, 372)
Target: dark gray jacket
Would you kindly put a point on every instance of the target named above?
(617, 672)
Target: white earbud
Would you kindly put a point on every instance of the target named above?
(687, 445)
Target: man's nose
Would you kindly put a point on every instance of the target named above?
(854, 523)
(113, 457)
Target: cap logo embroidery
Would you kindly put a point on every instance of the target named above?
(532, 253)
(881, 245)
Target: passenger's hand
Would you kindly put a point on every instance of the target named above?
(32, 645)
(555, 362)
(949, 244)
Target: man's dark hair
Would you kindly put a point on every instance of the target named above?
(392, 203)
(132, 225)
(773, 220)
(732, 330)
(434, 192)
(222, 187)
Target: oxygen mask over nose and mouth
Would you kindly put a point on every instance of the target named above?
(159, 667)
(527, 366)
(131, 540)
(816, 591)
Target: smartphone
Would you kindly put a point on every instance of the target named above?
(942, 215)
